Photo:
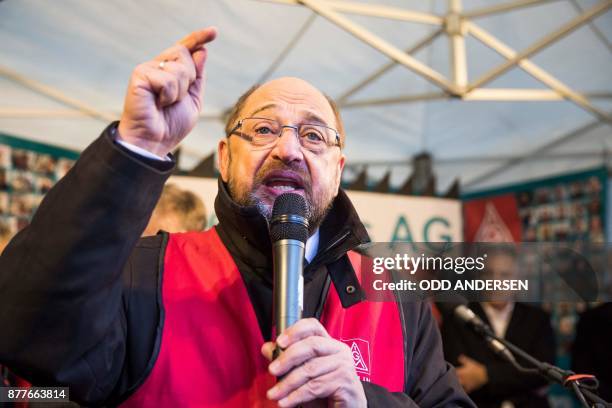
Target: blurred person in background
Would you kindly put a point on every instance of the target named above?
(5, 235)
(3, 180)
(489, 380)
(177, 211)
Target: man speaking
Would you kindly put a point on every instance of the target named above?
(186, 319)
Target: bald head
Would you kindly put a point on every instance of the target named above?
(289, 93)
(290, 84)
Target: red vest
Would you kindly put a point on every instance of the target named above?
(210, 346)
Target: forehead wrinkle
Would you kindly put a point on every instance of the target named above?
(313, 103)
(307, 118)
(306, 115)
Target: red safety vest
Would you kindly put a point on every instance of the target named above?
(210, 346)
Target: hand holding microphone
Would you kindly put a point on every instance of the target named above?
(315, 368)
(164, 96)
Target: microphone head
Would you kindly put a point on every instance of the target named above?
(465, 314)
(289, 218)
(455, 305)
(448, 302)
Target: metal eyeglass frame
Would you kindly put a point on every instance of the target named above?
(234, 131)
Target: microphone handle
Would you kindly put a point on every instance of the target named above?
(468, 316)
(288, 256)
(288, 259)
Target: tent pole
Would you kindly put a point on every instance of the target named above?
(283, 54)
(535, 71)
(594, 28)
(483, 94)
(55, 94)
(374, 10)
(456, 35)
(542, 43)
(382, 70)
(12, 113)
(500, 8)
(428, 96)
(379, 44)
(534, 153)
(529, 95)
(17, 113)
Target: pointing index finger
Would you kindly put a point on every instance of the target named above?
(198, 38)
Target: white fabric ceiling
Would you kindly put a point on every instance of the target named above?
(86, 49)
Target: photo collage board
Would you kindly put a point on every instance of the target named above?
(569, 208)
(28, 170)
(566, 209)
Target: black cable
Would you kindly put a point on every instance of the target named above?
(551, 372)
(580, 395)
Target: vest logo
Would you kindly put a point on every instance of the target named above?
(360, 349)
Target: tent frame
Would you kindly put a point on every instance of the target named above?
(456, 25)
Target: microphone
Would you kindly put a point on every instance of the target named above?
(288, 232)
(465, 315)
(502, 347)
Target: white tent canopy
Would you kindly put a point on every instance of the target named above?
(530, 96)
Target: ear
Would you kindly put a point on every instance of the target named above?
(341, 163)
(223, 152)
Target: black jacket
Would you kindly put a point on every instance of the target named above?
(80, 300)
(591, 352)
(529, 328)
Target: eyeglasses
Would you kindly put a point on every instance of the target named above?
(264, 133)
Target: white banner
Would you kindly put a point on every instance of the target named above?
(387, 217)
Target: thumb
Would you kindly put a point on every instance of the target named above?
(268, 350)
(463, 359)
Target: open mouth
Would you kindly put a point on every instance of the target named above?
(284, 182)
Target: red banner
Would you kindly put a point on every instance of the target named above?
(493, 219)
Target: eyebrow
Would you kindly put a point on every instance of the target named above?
(308, 118)
(263, 108)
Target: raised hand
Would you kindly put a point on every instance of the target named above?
(164, 96)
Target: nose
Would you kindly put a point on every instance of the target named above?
(288, 148)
